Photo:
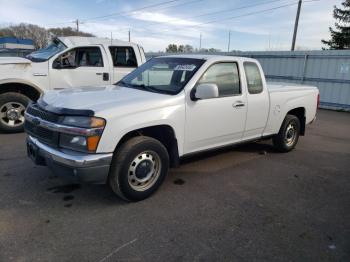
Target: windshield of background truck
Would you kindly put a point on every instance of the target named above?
(163, 75)
(44, 54)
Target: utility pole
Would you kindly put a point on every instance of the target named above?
(200, 41)
(296, 25)
(77, 24)
(129, 35)
(229, 41)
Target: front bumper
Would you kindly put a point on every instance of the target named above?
(90, 168)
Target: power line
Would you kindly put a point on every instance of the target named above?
(217, 12)
(134, 10)
(225, 10)
(227, 18)
(125, 14)
(248, 14)
(120, 13)
(235, 17)
(128, 14)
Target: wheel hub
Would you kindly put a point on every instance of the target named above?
(144, 171)
(13, 114)
(290, 135)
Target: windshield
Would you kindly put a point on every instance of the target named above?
(167, 75)
(44, 54)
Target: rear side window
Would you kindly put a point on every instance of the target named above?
(123, 56)
(225, 76)
(254, 80)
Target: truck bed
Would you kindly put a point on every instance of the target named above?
(286, 87)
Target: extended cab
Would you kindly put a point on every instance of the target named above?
(128, 134)
(66, 62)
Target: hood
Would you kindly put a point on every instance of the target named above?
(105, 98)
(14, 60)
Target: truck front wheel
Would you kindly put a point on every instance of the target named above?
(288, 135)
(138, 168)
(12, 107)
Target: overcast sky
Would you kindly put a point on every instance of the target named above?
(182, 21)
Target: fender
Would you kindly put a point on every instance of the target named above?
(20, 81)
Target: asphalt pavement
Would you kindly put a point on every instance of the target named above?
(243, 203)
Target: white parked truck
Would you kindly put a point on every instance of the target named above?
(66, 62)
(130, 133)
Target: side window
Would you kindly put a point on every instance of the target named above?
(80, 57)
(89, 56)
(254, 80)
(123, 56)
(225, 76)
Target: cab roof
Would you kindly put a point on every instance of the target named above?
(71, 41)
(212, 58)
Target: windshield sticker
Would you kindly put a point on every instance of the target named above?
(184, 67)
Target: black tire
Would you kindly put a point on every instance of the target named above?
(18, 100)
(288, 135)
(120, 176)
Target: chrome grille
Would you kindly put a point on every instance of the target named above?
(44, 135)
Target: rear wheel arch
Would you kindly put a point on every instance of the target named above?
(163, 133)
(300, 113)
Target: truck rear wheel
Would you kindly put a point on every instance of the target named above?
(138, 168)
(12, 107)
(288, 136)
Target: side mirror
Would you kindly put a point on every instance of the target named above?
(57, 64)
(206, 91)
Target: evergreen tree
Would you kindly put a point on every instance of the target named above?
(340, 37)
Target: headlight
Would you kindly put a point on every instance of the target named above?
(83, 121)
(85, 142)
(79, 143)
(73, 142)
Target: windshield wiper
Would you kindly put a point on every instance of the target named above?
(144, 87)
(152, 89)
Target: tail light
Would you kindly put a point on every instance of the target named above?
(318, 100)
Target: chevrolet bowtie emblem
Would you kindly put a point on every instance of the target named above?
(36, 121)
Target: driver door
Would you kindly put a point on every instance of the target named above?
(83, 66)
(216, 122)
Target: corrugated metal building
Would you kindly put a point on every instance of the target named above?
(329, 70)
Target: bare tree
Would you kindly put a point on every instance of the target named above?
(67, 31)
(38, 34)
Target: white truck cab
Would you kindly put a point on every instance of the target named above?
(67, 62)
(128, 134)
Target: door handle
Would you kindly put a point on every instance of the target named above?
(238, 104)
(105, 76)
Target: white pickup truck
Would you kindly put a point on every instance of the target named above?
(66, 62)
(128, 134)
